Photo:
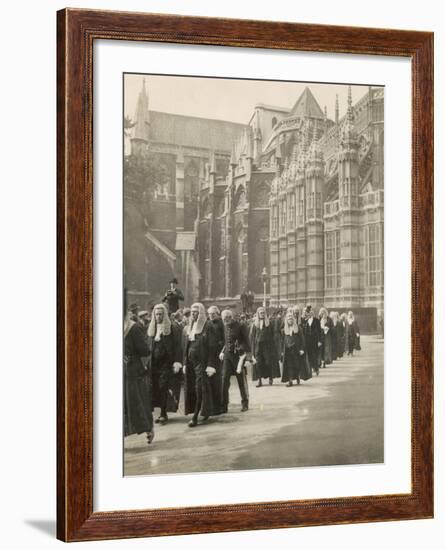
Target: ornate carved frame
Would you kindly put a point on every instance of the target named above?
(77, 30)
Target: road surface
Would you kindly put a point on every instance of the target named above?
(335, 418)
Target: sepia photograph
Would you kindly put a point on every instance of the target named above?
(253, 274)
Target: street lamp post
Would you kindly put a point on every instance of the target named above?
(264, 276)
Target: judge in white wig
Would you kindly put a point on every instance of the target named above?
(326, 325)
(164, 340)
(336, 334)
(295, 366)
(352, 334)
(198, 369)
(264, 355)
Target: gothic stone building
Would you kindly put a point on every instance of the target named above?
(160, 216)
(291, 192)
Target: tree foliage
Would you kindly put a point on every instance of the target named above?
(140, 176)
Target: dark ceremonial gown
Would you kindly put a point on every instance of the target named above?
(352, 341)
(137, 395)
(197, 384)
(312, 335)
(341, 338)
(326, 341)
(166, 385)
(262, 343)
(215, 339)
(294, 364)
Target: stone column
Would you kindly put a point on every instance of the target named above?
(229, 240)
(283, 268)
(291, 246)
(180, 221)
(314, 228)
(274, 255)
(300, 242)
(349, 212)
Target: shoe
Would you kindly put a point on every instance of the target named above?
(270, 381)
(150, 437)
(205, 418)
(259, 385)
(163, 420)
(298, 381)
(244, 408)
(289, 385)
(158, 420)
(193, 422)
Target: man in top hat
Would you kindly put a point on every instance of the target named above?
(172, 296)
(134, 311)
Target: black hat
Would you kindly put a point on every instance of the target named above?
(133, 307)
(307, 309)
(174, 281)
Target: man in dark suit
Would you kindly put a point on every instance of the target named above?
(172, 296)
(312, 336)
(233, 356)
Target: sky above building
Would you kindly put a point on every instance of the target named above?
(229, 99)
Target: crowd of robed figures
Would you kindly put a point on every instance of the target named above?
(200, 351)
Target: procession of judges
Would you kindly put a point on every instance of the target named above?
(200, 351)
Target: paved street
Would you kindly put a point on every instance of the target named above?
(335, 418)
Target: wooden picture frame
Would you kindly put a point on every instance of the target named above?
(76, 32)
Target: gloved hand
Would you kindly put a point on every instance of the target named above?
(177, 367)
(319, 344)
(184, 368)
(221, 356)
(253, 360)
(301, 352)
(210, 371)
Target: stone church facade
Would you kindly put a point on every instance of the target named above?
(291, 194)
(161, 207)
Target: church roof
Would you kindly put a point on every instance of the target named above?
(141, 115)
(194, 131)
(306, 105)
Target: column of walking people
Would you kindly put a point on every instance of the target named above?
(201, 350)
